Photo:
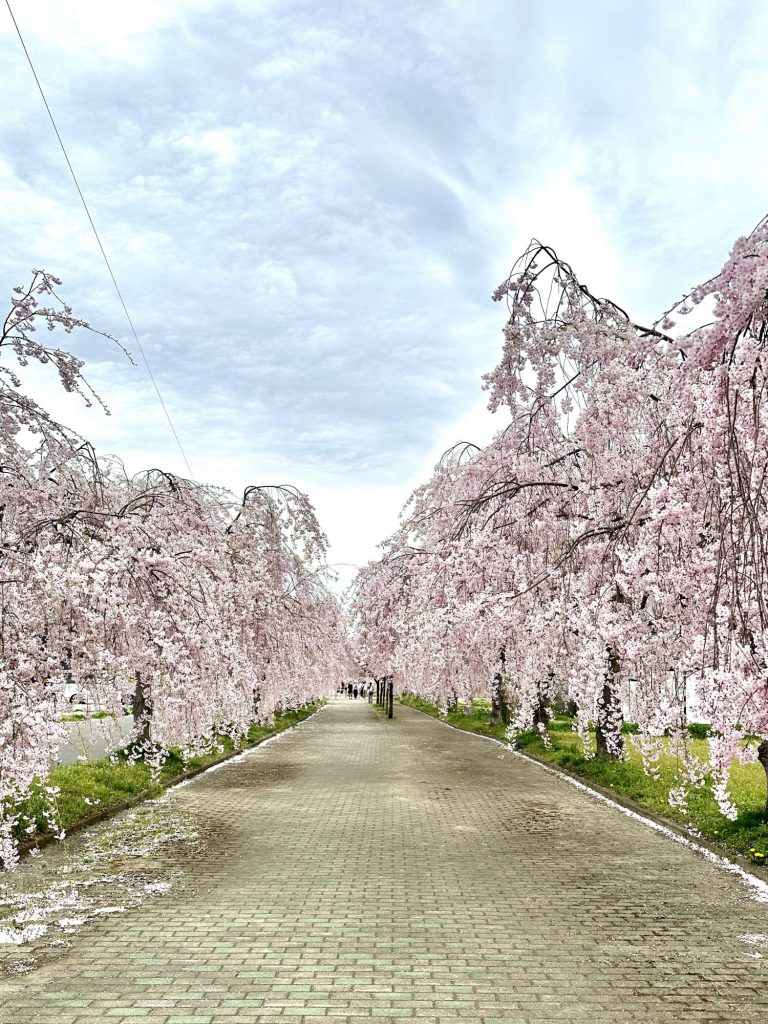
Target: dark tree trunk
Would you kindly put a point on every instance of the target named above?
(390, 696)
(610, 742)
(762, 757)
(142, 711)
(541, 714)
(499, 705)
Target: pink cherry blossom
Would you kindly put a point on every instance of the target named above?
(201, 612)
(608, 547)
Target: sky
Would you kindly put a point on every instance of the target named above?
(308, 204)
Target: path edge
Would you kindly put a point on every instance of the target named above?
(48, 838)
(733, 863)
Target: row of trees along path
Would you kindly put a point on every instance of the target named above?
(202, 611)
(608, 547)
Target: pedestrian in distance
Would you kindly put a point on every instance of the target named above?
(370, 692)
(354, 691)
(349, 691)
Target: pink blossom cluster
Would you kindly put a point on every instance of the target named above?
(200, 613)
(609, 548)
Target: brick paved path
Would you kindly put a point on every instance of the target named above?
(361, 869)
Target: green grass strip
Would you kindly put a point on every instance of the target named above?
(92, 790)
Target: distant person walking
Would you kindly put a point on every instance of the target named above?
(370, 692)
(354, 691)
(349, 691)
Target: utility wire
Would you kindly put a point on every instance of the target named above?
(98, 239)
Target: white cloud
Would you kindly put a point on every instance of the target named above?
(308, 206)
(117, 30)
(562, 212)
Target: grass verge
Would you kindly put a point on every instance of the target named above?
(93, 790)
(80, 716)
(746, 837)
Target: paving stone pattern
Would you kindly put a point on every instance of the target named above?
(361, 869)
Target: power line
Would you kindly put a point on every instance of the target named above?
(98, 239)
